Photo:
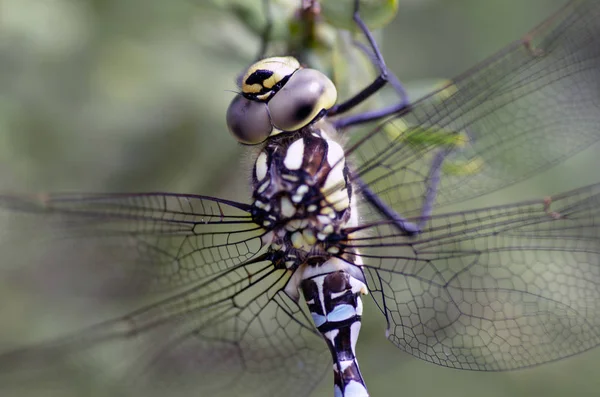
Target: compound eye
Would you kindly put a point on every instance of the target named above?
(248, 120)
(303, 97)
(264, 78)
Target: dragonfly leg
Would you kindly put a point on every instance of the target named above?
(365, 117)
(431, 184)
(403, 224)
(377, 84)
(392, 78)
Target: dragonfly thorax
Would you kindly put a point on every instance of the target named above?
(301, 191)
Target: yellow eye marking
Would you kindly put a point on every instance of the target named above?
(262, 76)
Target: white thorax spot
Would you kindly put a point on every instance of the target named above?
(301, 189)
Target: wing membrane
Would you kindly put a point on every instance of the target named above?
(490, 289)
(172, 240)
(495, 288)
(213, 318)
(525, 109)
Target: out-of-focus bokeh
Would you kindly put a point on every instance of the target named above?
(130, 95)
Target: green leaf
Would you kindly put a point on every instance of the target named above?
(398, 129)
(375, 13)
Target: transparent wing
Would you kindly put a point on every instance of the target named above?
(494, 288)
(211, 316)
(523, 110)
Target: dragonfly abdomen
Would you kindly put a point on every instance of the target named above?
(334, 301)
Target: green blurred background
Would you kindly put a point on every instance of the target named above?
(130, 95)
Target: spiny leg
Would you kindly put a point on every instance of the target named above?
(374, 54)
(431, 186)
(403, 224)
(372, 88)
(392, 78)
(402, 107)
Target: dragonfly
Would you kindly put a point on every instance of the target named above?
(266, 296)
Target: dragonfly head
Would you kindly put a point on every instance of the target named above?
(278, 96)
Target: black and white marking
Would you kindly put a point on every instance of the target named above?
(302, 196)
(334, 301)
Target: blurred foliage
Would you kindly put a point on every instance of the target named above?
(130, 95)
(375, 13)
